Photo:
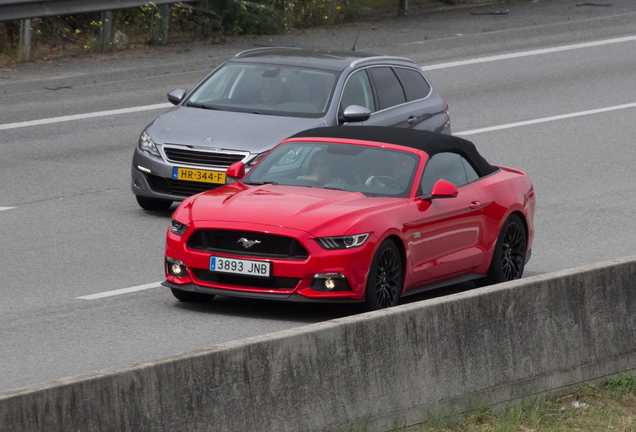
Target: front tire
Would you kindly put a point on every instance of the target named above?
(509, 257)
(386, 278)
(191, 297)
(153, 203)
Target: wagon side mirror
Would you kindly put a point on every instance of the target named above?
(176, 96)
(236, 170)
(355, 113)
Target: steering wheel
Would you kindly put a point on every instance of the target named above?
(389, 181)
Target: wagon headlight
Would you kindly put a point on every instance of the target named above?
(146, 144)
(343, 242)
(177, 227)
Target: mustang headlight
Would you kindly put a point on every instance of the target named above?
(177, 227)
(344, 242)
(146, 144)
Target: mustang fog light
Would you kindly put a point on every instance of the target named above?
(330, 282)
(176, 268)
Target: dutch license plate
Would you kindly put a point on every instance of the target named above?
(198, 175)
(240, 266)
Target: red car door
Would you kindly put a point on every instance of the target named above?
(444, 241)
(445, 235)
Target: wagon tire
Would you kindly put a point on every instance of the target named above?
(153, 203)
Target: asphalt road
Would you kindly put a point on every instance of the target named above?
(70, 227)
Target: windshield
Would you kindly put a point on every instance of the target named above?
(356, 168)
(266, 89)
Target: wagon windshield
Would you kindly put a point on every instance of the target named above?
(372, 171)
(266, 89)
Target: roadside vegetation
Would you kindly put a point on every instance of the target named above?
(205, 21)
(610, 407)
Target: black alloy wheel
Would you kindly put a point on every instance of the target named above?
(509, 257)
(386, 278)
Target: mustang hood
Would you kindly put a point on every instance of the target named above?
(226, 129)
(317, 211)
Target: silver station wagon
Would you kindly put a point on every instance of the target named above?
(260, 97)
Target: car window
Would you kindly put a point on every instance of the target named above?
(357, 91)
(451, 167)
(387, 86)
(266, 89)
(415, 86)
(471, 174)
(371, 171)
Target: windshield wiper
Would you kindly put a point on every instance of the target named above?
(260, 183)
(200, 105)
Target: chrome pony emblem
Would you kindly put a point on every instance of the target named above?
(248, 243)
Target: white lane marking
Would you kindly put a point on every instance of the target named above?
(528, 53)
(6, 208)
(546, 119)
(84, 116)
(120, 291)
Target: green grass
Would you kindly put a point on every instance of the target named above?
(610, 406)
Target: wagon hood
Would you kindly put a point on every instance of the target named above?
(320, 212)
(226, 129)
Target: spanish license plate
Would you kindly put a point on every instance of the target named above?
(240, 266)
(198, 175)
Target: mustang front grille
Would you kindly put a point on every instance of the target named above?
(187, 155)
(246, 243)
(246, 281)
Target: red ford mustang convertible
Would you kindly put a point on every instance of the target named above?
(353, 214)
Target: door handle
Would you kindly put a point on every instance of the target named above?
(411, 120)
(473, 205)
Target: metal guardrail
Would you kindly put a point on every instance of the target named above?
(26, 9)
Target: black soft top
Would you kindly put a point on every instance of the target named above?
(429, 142)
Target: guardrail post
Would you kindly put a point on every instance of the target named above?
(106, 34)
(159, 24)
(24, 50)
(403, 7)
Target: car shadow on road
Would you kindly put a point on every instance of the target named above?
(301, 312)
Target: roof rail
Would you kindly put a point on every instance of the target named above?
(249, 51)
(376, 58)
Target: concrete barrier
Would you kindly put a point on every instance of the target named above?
(487, 346)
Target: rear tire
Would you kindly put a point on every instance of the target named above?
(509, 257)
(153, 203)
(386, 278)
(191, 297)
